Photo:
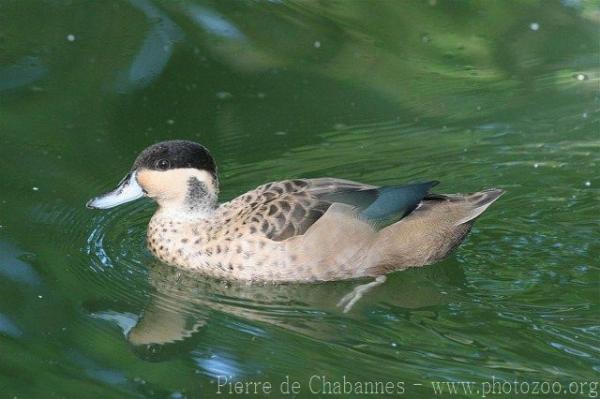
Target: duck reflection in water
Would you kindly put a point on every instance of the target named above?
(182, 305)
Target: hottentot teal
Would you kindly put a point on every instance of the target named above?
(298, 230)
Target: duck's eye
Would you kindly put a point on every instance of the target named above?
(163, 164)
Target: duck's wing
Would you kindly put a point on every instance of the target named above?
(286, 209)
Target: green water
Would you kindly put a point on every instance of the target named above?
(474, 94)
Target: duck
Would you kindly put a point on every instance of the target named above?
(297, 230)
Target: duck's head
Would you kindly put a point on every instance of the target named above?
(177, 174)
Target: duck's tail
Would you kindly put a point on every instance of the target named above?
(430, 232)
(476, 203)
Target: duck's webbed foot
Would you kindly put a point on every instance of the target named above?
(352, 297)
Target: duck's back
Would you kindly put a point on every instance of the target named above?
(345, 244)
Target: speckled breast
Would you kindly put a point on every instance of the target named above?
(219, 250)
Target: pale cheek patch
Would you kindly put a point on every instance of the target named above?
(175, 184)
(156, 184)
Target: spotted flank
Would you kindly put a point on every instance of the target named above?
(295, 230)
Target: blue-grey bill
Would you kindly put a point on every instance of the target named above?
(128, 190)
